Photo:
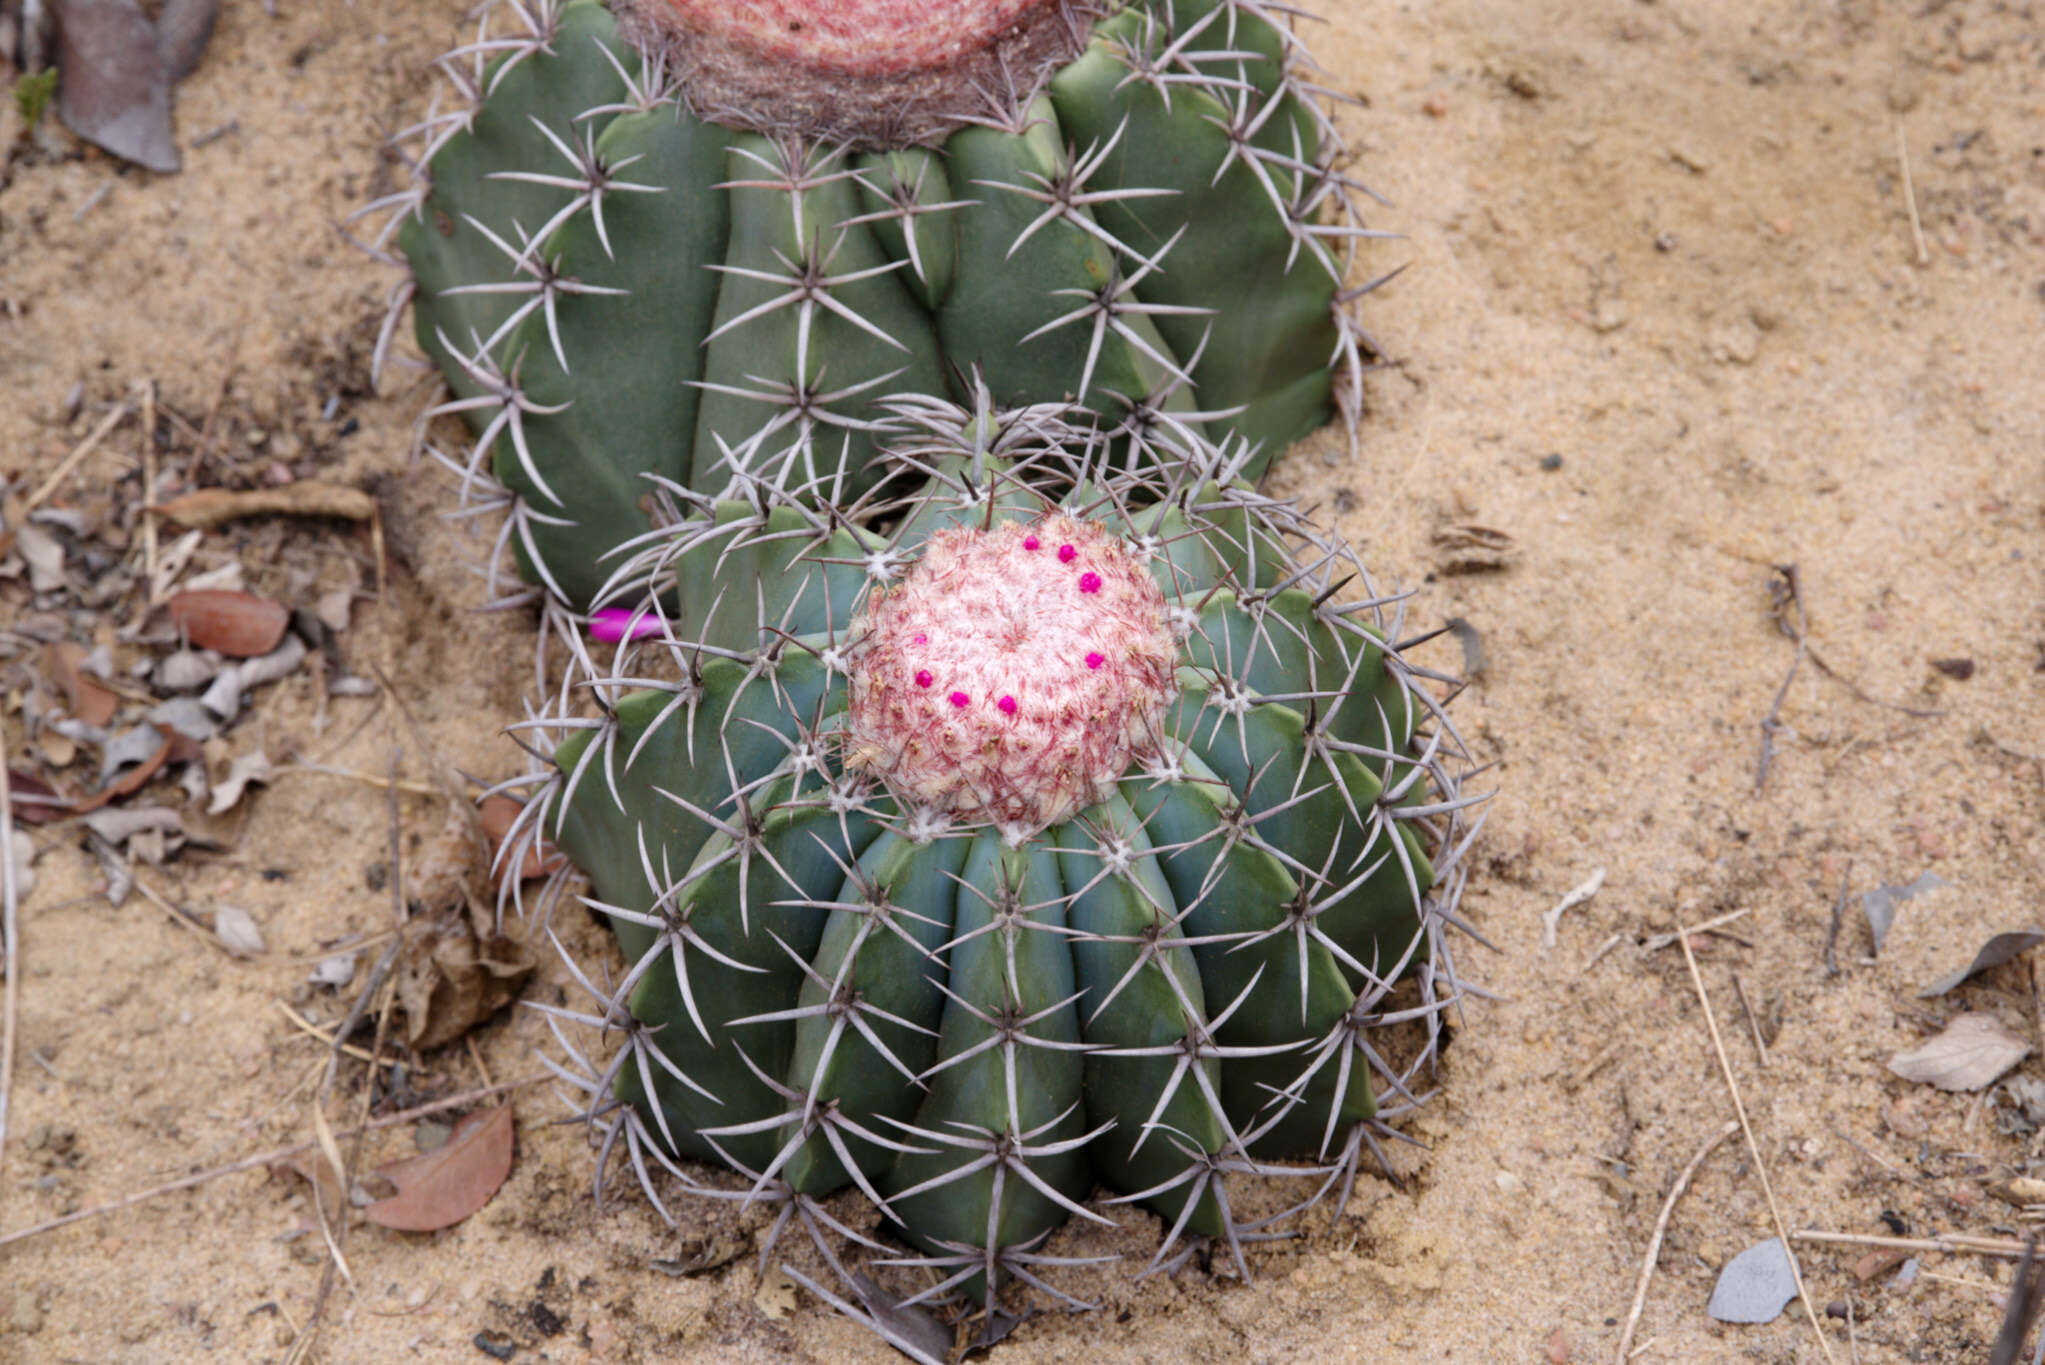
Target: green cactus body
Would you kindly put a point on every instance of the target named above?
(1031, 828)
(638, 281)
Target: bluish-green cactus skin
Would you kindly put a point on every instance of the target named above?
(979, 1027)
(626, 296)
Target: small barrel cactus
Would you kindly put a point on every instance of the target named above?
(696, 241)
(1032, 825)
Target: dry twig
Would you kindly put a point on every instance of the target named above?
(1838, 914)
(77, 455)
(1725, 1067)
(274, 1155)
(1788, 591)
(10, 932)
(1753, 1019)
(1661, 1227)
(1951, 1243)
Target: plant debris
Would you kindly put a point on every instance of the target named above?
(1880, 904)
(1971, 1054)
(236, 624)
(440, 1188)
(115, 70)
(2002, 948)
(210, 507)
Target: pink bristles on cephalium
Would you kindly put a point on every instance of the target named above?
(1046, 674)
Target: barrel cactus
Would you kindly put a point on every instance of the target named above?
(1032, 826)
(696, 241)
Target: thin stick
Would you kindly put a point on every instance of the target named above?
(10, 931)
(249, 1163)
(1838, 914)
(1753, 1020)
(1725, 1067)
(1661, 1227)
(1788, 595)
(148, 481)
(1910, 196)
(1661, 941)
(1951, 1243)
(78, 453)
(476, 1056)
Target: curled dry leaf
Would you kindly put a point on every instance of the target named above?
(1998, 950)
(253, 766)
(450, 978)
(210, 507)
(237, 624)
(1973, 1051)
(135, 777)
(35, 801)
(84, 695)
(438, 1189)
(1880, 904)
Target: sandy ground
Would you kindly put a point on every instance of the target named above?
(1665, 327)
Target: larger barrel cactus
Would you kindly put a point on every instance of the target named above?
(695, 240)
(1032, 826)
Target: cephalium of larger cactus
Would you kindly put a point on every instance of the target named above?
(1049, 826)
(697, 240)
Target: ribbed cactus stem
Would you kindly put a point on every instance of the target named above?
(1013, 674)
(858, 37)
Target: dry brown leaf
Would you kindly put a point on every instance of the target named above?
(238, 624)
(315, 1170)
(1973, 1051)
(498, 813)
(36, 802)
(112, 89)
(438, 1189)
(449, 980)
(84, 695)
(210, 507)
(134, 778)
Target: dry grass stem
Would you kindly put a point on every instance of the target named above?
(409, 788)
(1661, 941)
(148, 480)
(1951, 1243)
(1910, 196)
(1725, 1067)
(10, 933)
(77, 456)
(1753, 1020)
(1654, 1242)
(306, 1025)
